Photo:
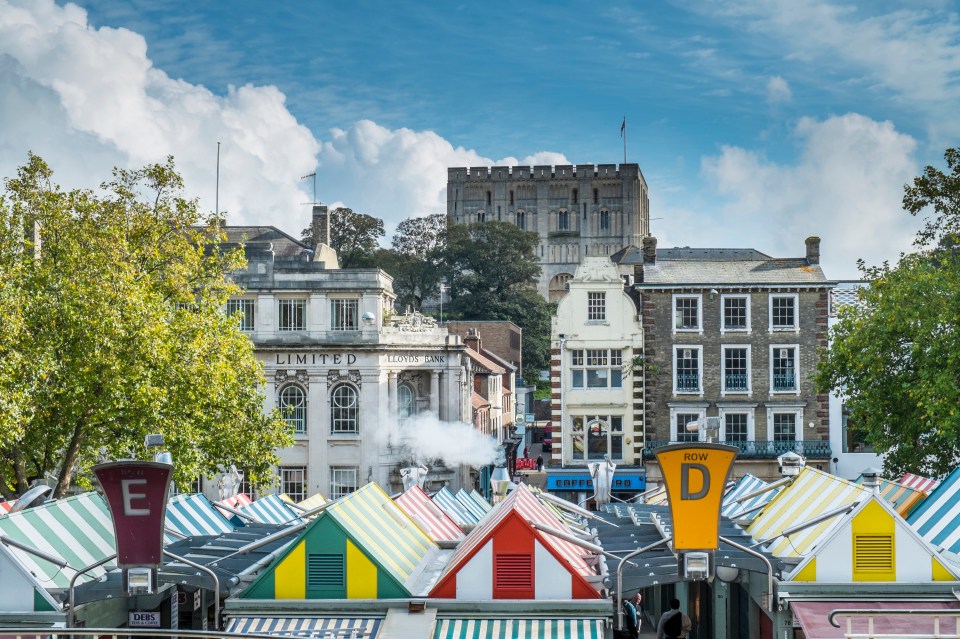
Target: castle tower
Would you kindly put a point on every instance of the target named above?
(577, 210)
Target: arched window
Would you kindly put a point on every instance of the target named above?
(406, 402)
(511, 198)
(344, 409)
(292, 402)
(521, 220)
(488, 198)
(563, 221)
(575, 195)
(596, 196)
(481, 216)
(604, 220)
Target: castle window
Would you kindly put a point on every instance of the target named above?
(563, 221)
(521, 220)
(604, 220)
(481, 217)
(574, 196)
(488, 198)
(596, 196)
(511, 198)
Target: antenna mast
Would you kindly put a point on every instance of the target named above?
(217, 197)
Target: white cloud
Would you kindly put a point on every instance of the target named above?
(778, 90)
(846, 187)
(86, 99)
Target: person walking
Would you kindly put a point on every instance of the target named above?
(631, 615)
(673, 623)
(539, 463)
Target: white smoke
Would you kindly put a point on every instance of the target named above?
(425, 438)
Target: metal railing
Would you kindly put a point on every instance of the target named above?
(951, 617)
(784, 382)
(735, 382)
(688, 382)
(759, 449)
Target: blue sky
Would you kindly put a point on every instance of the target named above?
(755, 123)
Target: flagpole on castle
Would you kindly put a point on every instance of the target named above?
(623, 134)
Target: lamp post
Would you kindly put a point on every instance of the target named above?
(442, 287)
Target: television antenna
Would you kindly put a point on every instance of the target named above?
(314, 176)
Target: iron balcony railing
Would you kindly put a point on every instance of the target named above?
(735, 382)
(784, 381)
(760, 449)
(688, 382)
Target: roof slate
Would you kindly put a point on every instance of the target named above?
(283, 244)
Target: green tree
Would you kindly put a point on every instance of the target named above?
(354, 236)
(895, 356)
(417, 259)
(492, 270)
(113, 328)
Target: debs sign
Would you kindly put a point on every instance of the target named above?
(136, 492)
(695, 475)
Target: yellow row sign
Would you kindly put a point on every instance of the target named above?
(695, 475)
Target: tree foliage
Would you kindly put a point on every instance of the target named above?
(416, 260)
(111, 304)
(492, 268)
(354, 236)
(895, 356)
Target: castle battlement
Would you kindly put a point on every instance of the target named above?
(542, 172)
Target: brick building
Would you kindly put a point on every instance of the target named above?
(733, 334)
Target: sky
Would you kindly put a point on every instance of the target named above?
(755, 123)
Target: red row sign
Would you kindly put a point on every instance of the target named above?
(136, 492)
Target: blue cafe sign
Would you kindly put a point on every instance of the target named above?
(624, 482)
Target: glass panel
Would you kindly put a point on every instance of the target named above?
(736, 427)
(597, 377)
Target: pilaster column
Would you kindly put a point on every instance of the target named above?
(435, 393)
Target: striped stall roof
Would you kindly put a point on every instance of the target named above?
(193, 514)
(236, 502)
(77, 529)
(389, 536)
(902, 498)
(271, 510)
(5, 506)
(436, 523)
(937, 518)
(747, 484)
(465, 628)
(312, 502)
(449, 504)
(477, 497)
(333, 627)
(529, 507)
(470, 504)
(920, 483)
(812, 493)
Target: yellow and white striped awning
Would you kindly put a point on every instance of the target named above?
(467, 628)
(318, 627)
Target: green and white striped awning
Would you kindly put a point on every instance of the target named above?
(465, 628)
(319, 627)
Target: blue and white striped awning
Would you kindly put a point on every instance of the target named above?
(469, 504)
(937, 518)
(193, 514)
(271, 510)
(449, 504)
(319, 627)
(477, 497)
(732, 506)
(519, 628)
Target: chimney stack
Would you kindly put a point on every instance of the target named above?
(650, 250)
(321, 225)
(472, 340)
(813, 250)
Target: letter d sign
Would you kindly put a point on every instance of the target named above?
(695, 475)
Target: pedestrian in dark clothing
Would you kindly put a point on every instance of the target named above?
(539, 463)
(673, 623)
(631, 616)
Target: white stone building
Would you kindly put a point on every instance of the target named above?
(597, 392)
(351, 377)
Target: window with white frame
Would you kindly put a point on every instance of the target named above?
(345, 314)
(594, 368)
(292, 314)
(784, 426)
(243, 311)
(596, 307)
(784, 368)
(343, 481)
(406, 402)
(687, 369)
(292, 402)
(736, 427)
(293, 482)
(681, 419)
(686, 312)
(783, 312)
(245, 487)
(344, 409)
(736, 313)
(736, 369)
(602, 434)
